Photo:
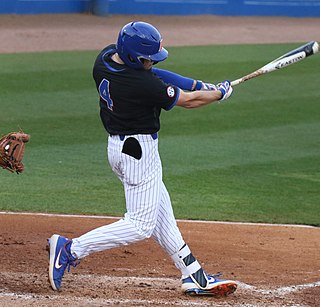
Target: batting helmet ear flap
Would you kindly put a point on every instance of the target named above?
(140, 40)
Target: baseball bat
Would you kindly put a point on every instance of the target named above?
(285, 60)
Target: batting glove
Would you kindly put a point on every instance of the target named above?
(225, 89)
(208, 87)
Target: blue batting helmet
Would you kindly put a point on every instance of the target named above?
(140, 40)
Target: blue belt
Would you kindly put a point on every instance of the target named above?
(122, 136)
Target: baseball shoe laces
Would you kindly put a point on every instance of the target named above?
(215, 287)
(60, 258)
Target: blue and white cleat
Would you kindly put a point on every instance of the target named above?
(215, 287)
(59, 259)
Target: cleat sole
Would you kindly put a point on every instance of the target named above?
(218, 291)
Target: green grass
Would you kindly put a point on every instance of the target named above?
(254, 158)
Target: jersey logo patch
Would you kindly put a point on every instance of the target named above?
(105, 94)
(170, 91)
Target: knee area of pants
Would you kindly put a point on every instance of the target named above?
(146, 233)
(143, 229)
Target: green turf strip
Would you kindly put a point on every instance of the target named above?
(254, 158)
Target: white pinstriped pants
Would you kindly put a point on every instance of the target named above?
(149, 211)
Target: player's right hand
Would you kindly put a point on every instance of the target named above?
(226, 89)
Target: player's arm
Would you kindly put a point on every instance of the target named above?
(198, 99)
(184, 83)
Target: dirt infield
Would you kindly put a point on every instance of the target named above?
(274, 265)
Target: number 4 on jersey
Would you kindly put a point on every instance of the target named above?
(105, 94)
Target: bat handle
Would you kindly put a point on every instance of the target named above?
(254, 74)
(236, 82)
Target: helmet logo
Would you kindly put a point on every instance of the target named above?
(160, 45)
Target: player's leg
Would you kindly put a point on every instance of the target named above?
(195, 281)
(166, 231)
(64, 252)
(141, 179)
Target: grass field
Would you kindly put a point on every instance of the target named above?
(254, 158)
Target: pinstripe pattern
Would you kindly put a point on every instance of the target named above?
(149, 211)
(166, 231)
(109, 236)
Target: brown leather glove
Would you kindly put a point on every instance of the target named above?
(12, 148)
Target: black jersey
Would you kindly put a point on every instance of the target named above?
(130, 100)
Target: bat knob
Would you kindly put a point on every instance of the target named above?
(315, 47)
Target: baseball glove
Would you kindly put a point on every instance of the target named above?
(12, 148)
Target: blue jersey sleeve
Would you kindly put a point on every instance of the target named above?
(182, 82)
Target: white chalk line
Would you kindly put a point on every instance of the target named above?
(184, 221)
(242, 287)
(282, 291)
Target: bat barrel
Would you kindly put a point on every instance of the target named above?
(309, 49)
(287, 59)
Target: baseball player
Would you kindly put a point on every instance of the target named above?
(132, 94)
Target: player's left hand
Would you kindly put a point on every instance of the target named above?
(208, 87)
